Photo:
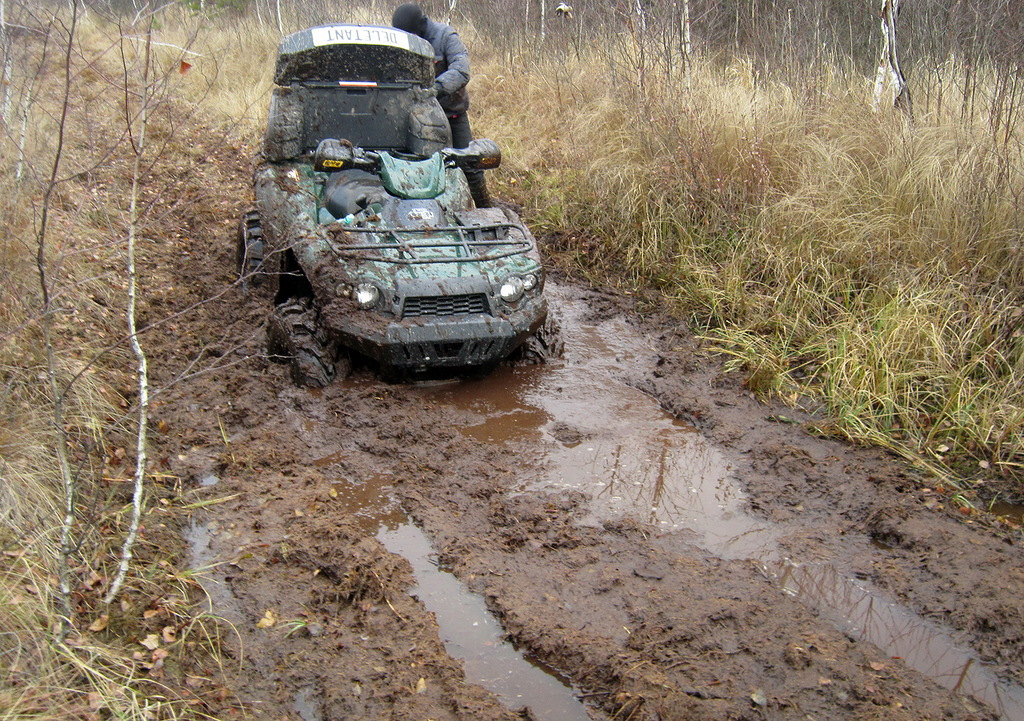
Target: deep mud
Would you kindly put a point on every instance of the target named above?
(638, 524)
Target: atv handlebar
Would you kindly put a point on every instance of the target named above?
(332, 155)
(481, 154)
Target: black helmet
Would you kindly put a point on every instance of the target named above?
(410, 17)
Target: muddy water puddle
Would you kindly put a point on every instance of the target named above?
(209, 572)
(586, 430)
(1013, 512)
(369, 503)
(467, 628)
(472, 634)
(923, 646)
(611, 441)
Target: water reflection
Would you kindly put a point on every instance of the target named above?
(923, 646)
(472, 634)
(203, 561)
(592, 433)
(306, 706)
(466, 627)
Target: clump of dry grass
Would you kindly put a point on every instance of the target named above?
(832, 250)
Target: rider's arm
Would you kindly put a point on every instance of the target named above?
(457, 75)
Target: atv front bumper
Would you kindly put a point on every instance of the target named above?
(422, 344)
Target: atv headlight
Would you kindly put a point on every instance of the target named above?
(530, 281)
(512, 289)
(366, 295)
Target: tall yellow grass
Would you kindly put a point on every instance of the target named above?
(831, 249)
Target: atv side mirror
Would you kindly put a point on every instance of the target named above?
(482, 154)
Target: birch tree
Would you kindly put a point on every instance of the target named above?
(687, 44)
(137, 126)
(5, 71)
(889, 77)
(58, 389)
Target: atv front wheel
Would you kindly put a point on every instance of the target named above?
(294, 336)
(249, 249)
(544, 345)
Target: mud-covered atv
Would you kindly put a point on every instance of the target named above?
(365, 226)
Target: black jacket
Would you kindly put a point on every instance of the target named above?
(451, 67)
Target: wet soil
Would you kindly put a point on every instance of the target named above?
(625, 533)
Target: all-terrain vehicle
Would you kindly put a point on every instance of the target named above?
(365, 227)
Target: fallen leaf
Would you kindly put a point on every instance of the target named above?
(421, 685)
(152, 642)
(100, 623)
(150, 612)
(168, 634)
(877, 665)
(268, 620)
(824, 681)
(160, 654)
(184, 67)
(333, 493)
(759, 698)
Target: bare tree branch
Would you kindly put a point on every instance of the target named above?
(67, 545)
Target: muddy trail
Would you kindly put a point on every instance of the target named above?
(623, 534)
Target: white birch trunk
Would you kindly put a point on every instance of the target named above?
(5, 73)
(127, 549)
(641, 14)
(26, 109)
(889, 79)
(687, 44)
(543, 19)
(70, 487)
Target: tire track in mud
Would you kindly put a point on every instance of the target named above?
(633, 460)
(646, 623)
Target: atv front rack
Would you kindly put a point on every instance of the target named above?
(410, 245)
